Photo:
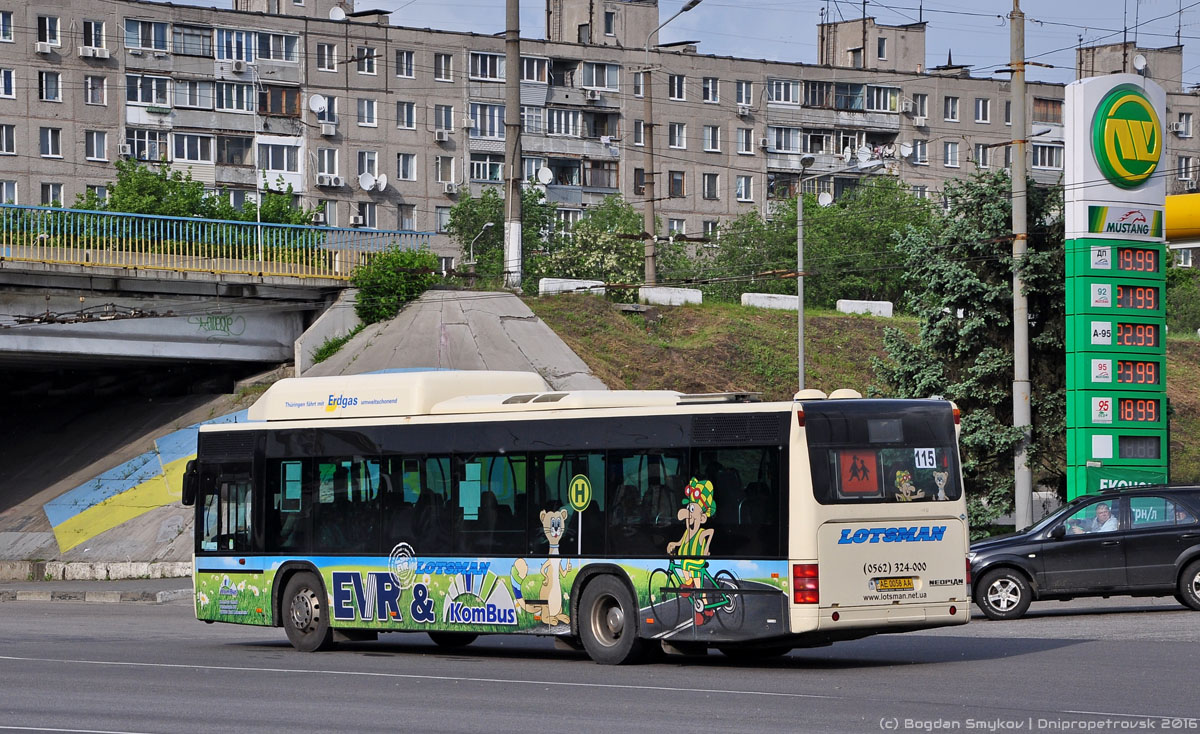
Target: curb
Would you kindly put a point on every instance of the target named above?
(98, 597)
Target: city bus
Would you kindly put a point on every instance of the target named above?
(622, 523)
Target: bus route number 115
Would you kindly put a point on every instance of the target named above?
(925, 458)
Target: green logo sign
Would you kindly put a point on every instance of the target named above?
(580, 493)
(1126, 137)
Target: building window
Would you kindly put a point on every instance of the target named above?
(1185, 170)
(1008, 157)
(329, 114)
(7, 88)
(710, 89)
(920, 105)
(783, 91)
(406, 216)
(562, 122)
(95, 145)
(443, 67)
(328, 210)
(47, 30)
(1049, 111)
(639, 78)
(8, 139)
(1008, 112)
(745, 92)
(1183, 257)
(856, 58)
(6, 30)
(406, 115)
(99, 191)
(1185, 124)
(530, 165)
(982, 155)
(1047, 156)
(639, 132)
(327, 161)
(443, 169)
(610, 23)
(920, 155)
(326, 57)
(146, 90)
(950, 154)
(787, 140)
(406, 166)
(366, 113)
(745, 188)
(147, 145)
(50, 142)
(236, 150)
(533, 120)
(882, 99)
(745, 137)
(8, 192)
(367, 162)
(677, 135)
(276, 157)
(49, 86)
(487, 67)
(712, 138)
(144, 34)
(93, 33)
(189, 41)
(487, 121)
(279, 101)
(364, 59)
(404, 64)
(710, 186)
(234, 97)
(443, 218)
(921, 192)
(193, 148)
(639, 181)
(950, 109)
(534, 70)
(676, 87)
(487, 167)
(277, 47)
(368, 215)
(194, 94)
(52, 194)
(677, 186)
(231, 45)
(881, 49)
(676, 227)
(600, 76)
(443, 117)
(983, 109)
(711, 229)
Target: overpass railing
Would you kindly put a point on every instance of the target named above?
(141, 241)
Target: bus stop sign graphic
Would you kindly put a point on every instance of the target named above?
(580, 492)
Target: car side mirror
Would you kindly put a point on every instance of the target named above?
(1059, 532)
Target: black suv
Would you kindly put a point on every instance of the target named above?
(1139, 542)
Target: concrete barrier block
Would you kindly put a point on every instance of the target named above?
(55, 570)
(119, 570)
(552, 286)
(170, 570)
(875, 308)
(16, 570)
(85, 571)
(770, 300)
(661, 296)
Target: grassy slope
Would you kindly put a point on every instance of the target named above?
(720, 347)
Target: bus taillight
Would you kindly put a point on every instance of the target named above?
(968, 574)
(806, 586)
(800, 418)
(957, 415)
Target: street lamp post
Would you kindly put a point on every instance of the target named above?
(805, 162)
(258, 233)
(471, 253)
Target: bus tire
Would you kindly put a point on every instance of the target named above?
(305, 614)
(608, 622)
(452, 640)
(1189, 586)
(1003, 594)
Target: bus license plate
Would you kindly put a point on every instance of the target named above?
(894, 584)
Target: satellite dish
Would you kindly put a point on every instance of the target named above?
(366, 181)
(864, 154)
(1139, 62)
(847, 154)
(317, 103)
(545, 176)
(824, 198)
(905, 150)
(336, 13)
(381, 182)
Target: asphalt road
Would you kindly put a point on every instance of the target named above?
(1080, 666)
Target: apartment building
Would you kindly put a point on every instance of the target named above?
(388, 126)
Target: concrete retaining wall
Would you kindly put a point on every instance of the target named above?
(60, 571)
(552, 286)
(668, 296)
(770, 300)
(875, 308)
(338, 320)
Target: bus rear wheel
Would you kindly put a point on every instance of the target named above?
(608, 623)
(452, 640)
(305, 617)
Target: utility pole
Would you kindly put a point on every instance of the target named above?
(648, 216)
(1022, 415)
(513, 257)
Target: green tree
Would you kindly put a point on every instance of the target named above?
(1183, 300)
(959, 275)
(391, 279)
(469, 215)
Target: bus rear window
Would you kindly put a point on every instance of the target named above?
(882, 451)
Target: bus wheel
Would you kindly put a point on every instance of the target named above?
(608, 622)
(305, 618)
(452, 640)
(1189, 586)
(1003, 594)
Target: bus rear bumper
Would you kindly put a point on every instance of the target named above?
(881, 619)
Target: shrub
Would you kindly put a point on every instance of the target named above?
(391, 279)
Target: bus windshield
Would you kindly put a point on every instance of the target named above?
(906, 454)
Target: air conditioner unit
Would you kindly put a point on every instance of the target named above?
(100, 53)
(160, 54)
(86, 52)
(450, 188)
(763, 142)
(135, 52)
(920, 121)
(318, 218)
(1190, 185)
(743, 110)
(41, 47)
(238, 67)
(125, 149)
(1176, 127)
(328, 129)
(337, 182)
(324, 179)
(356, 221)
(441, 136)
(591, 95)
(906, 106)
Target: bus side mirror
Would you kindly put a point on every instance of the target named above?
(191, 479)
(1058, 533)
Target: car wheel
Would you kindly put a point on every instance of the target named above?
(1003, 594)
(1189, 586)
